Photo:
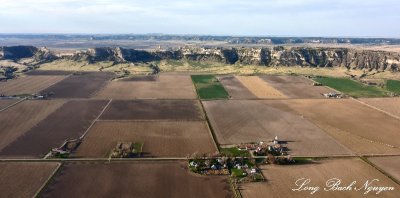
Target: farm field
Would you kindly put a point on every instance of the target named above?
(6, 103)
(69, 121)
(48, 72)
(144, 179)
(296, 86)
(153, 110)
(28, 84)
(22, 179)
(241, 121)
(260, 88)
(161, 139)
(208, 87)
(79, 85)
(144, 78)
(351, 117)
(174, 118)
(393, 86)
(389, 165)
(164, 86)
(235, 88)
(389, 105)
(282, 179)
(352, 88)
(356, 143)
(17, 120)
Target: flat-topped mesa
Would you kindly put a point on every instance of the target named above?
(21, 52)
(272, 56)
(17, 52)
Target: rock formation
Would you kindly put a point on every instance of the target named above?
(273, 56)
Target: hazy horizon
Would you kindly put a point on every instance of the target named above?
(279, 18)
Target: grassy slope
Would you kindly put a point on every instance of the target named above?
(393, 86)
(208, 87)
(352, 88)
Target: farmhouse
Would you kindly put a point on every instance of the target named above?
(332, 95)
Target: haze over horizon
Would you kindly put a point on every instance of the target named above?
(306, 18)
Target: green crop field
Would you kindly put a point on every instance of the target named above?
(352, 88)
(393, 86)
(208, 87)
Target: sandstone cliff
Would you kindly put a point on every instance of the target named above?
(274, 56)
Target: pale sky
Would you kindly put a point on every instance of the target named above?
(355, 18)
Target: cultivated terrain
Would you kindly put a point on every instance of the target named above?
(199, 121)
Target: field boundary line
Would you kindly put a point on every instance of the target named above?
(174, 158)
(67, 76)
(376, 108)
(54, 82)
(351, 134)
(13, 104)
(48, 180)
(331, 136)
(210, 128)
(95, 120)
(235, 187)
(96, 159)
(365, 159)
(102, 88)
(194, 87)
(154, 120)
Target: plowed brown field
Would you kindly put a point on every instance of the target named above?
(389, 164)
(6, 103)
(144, 179)
(235, 88)
(349, 117)
(161, 139)
(80, 85)
(153, 110)
(296, 86)
(24, 179)
(69, 121)
(167, 86)
(281, 180)
(241, 121)
(389, 105)
(17, 120)
(28, 84)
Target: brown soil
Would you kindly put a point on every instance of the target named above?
(349, 116)
(235, 88)
(153, 110)
(296, 86)
(238, 121)
(357, 144)
(141, 78)
(281, 180)
(161, 139)
(168, 86)
(69, 121)
(23, 179)
(389, 165)
(389, 105)
(17, 120)
(6, 103)
(144, 179)
(28, 84)
(81, 85)
(260, 88)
